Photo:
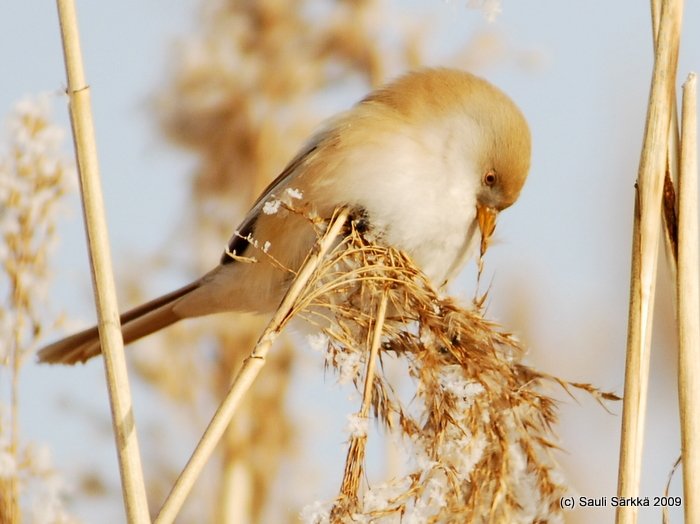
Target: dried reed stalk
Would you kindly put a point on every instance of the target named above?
(354, 462)
(647, 218)
(248, 372)
(133, 487)
(688, 303)
(671, 176)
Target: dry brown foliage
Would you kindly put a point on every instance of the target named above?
(478, 429)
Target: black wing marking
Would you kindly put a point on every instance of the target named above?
(239, 243)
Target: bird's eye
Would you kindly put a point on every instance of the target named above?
(490, 178)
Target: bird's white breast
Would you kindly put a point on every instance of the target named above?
(419, 190)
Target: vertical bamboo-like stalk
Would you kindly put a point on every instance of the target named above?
(647, 218)
(133, 488)
(688, 297)
(247, 374)
(671, 175)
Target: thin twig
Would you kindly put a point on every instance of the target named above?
(665, 517)
(688, 297)
(356, 451)
(133, 487)
(247, 374)
(374, 350)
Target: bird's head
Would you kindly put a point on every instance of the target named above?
(475, 121)
(503, 158)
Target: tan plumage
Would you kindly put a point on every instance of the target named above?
(428, 160)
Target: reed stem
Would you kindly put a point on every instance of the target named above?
(688, 303)
(647, 221)
(133, 487)
(247, 374)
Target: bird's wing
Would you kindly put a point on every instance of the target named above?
(238, 242)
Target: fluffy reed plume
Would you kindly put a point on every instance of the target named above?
(478, 430)
(34, 177)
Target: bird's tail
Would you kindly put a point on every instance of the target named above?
(136, 323)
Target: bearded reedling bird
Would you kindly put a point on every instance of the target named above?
(426, 161)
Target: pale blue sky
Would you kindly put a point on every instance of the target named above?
(564, 248)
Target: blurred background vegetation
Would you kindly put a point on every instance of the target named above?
(199, 106)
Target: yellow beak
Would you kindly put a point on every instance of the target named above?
(486, 218)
